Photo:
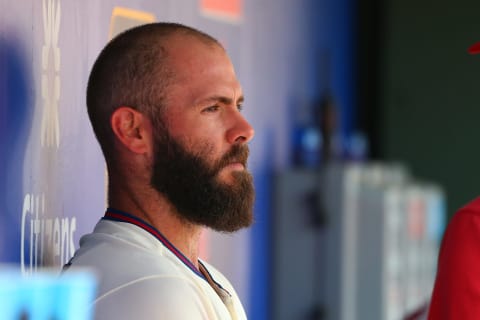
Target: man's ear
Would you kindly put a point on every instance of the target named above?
(131, 128)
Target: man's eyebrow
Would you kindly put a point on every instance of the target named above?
(221, 99)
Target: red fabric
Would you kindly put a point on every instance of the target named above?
(456, 294)
(474, 49)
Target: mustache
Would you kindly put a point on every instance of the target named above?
(238, 153)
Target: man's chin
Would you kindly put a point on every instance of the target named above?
(241, 223)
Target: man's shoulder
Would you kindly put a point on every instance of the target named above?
(464, 227)
(471, 208)
(119, 244)
(120, 256)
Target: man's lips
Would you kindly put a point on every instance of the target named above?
(235, 166)
(235, 159)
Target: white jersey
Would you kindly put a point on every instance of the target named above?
(143, 276)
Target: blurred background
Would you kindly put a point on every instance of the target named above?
(365, 115)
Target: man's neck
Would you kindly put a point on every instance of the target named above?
(157, 211)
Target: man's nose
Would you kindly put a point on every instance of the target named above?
(241, 131)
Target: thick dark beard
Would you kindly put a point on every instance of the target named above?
(192, 185)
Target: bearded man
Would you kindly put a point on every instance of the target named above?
(165, 106)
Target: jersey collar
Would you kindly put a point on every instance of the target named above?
(117, 215)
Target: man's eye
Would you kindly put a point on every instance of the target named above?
(211, 109)
(240, 107)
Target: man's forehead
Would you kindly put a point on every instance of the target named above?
(189, 59)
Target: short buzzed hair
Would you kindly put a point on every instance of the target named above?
(133, 70)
